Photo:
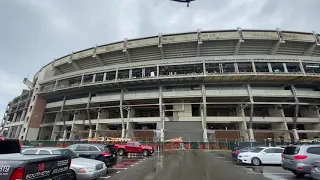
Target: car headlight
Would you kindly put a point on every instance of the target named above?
(87, 169)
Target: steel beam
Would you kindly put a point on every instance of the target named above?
(277, 44)
(74, 64)
(95, 55)
(87, 109)
(61, 111)
(199, 42)
(204, 106)
(296, 110)
(121, 114)
(251, 105)
(237, 47)
(160, 45)
(125, 50)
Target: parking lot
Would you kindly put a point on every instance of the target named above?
(272, 172)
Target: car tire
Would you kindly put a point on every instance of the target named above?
(256, 161)
(121, 152)
(145, 153)
(72, 175)
(299, 174)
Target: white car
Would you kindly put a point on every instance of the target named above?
(262, 155)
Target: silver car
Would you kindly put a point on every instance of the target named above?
(80, 169)
(299, 158)
(315, 172)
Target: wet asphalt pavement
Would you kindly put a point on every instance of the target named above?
(180, 165)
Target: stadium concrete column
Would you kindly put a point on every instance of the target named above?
(281, 128)
(103, 114)
(243, 124)
(161, 112)
(78, 115)
(23, 115)
(9, 132)
(55, 127)
(123, 130)
(14, 117)
(18, 131)
(204, 113)
(182, 111)
(250, 130)
(129, 128)
(311, 112)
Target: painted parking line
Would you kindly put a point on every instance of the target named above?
(251, 172)
(105, 177)
(118, 172)
(117, 168)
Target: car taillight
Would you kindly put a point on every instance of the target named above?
(106, 154)
(299, 157)
(237, 152)
(2, 138)
(17, 174)
(69, 164)
(282, 155)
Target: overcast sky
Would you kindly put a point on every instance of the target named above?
(34, 32)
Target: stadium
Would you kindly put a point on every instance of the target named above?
(201, 86)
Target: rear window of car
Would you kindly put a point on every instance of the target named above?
(256, 150)
(291, 150)
(11, 146)
(314, 150)
(109, 148)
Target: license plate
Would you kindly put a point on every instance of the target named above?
(286, 161)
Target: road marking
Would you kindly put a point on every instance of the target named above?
(118, 172)
(220, 157)
(135, 163)
(105, 177)
(117, 168)
(251, 172)
(140, 161)
(227, 161)
(132, 165)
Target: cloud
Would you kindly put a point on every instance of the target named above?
(11, 87)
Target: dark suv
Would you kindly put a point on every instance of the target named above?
(101, 152)
(10, 145)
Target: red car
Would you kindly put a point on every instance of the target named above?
(133, 147)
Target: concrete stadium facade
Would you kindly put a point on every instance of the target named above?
(233, 84)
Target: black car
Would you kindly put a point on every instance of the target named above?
(101, 152)
(237, 151)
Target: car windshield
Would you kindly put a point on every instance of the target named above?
(256, 150)
(65, 152)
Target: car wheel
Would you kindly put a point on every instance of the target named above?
(72, 175)
(299, 174)
(121, 152)
(256, 161)
(145, 153)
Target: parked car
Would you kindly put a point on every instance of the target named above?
(299, 158)
(237, 151)
(101, 152)
(315, 171)
(134, 147)
(80, 169)
(261, 155)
